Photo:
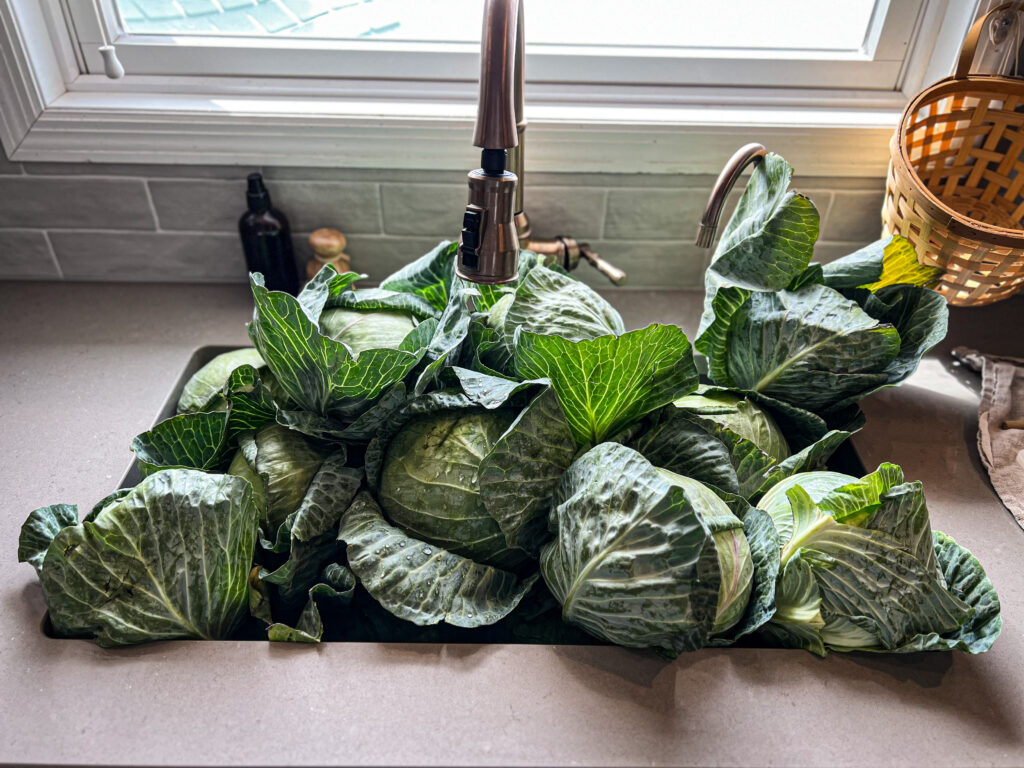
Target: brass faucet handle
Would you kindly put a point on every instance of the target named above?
(609, 270)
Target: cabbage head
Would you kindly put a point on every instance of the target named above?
(738, 414)
(723, 438)
(643, 557)
(360, 330)
(204, 390)
(280, 464)
(861, 569)
(429, 484)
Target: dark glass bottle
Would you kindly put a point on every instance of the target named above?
(267, 240)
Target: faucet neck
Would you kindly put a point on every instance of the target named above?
(500, 107)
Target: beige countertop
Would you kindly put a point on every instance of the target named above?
(85, 367)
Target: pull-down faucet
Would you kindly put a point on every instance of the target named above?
(494, 225)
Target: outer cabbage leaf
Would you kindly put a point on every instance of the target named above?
(768, 241)
(430, 276)
(312, 529)
(764, 545)
(919, 315)
(891, 260)
(190, 440)
(518, 476)
(336, 588)
(203, 391)
(966, 579)
(632, 562)
(607, 383)
(421, 583)
(554, 303)
(168, 560)
(810, 347)
(39, 530)
(317, 373)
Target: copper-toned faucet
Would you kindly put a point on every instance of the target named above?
(494, 225)
(744, 156)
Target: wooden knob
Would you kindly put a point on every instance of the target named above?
(328, 248)
(327, 243)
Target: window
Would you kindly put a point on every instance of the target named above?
(648, 85)
(789, 43)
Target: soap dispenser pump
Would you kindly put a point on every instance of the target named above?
(267, 239)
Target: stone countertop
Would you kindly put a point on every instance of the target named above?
(85, 367)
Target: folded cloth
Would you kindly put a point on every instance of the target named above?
(1001, 424)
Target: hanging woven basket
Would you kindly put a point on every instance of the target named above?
(955, 187)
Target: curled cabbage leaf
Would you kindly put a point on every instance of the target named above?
(167, 559)
(204, 390)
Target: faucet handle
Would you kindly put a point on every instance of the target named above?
(609, 270)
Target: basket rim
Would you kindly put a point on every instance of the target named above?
(936, 209)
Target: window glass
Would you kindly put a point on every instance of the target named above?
(811, 25)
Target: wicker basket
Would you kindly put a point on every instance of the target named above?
(955, 186)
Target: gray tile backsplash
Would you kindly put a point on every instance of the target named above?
(179, 223)
(26, 254)
(149, 256)
(74, 202)
(423, 209)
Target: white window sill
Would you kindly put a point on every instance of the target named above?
(132, 125)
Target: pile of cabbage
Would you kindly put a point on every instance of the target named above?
(431, 460)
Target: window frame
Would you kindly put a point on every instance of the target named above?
(52, 108)
(877, 65)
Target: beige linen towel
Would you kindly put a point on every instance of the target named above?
(1001, 424)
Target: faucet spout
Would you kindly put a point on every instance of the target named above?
(489, 243)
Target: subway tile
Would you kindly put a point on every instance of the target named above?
(202, 206)
(622, 180)
(575, 211)
(423, 209)
(379, 256)
(352, 207)
(382, 175)
(25, 254)
(650, 264)
(855, 183)
(149, 256)
(653, 214)
(140, 170)
(855, 216)
(74, 203)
